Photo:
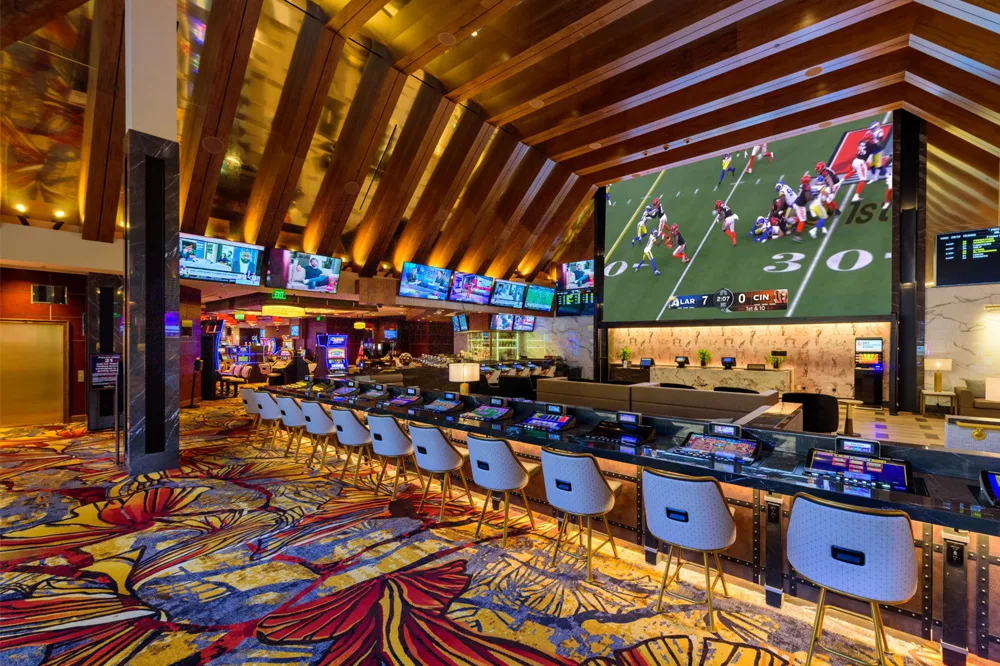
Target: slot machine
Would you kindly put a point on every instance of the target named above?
(868, 370)
(336, 354)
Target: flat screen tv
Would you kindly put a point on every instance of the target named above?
(470, 288)
(539, 298)
(456, 325)
(217, 260)
(301, 271)
(419, 281)
(575, 303)
(576, 275)
(507, 294)
(743, 262)
(502, 322)
(460, 323)
(524, 323)
(967, 257)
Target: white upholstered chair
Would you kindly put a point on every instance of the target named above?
(436, 455)
(293, 420)
(496, 468)
(270, 415)
(862, 553)
(575, 485)
(688, 512)
(251, 409)
(389, 441)
(319, 425)
(353, 436)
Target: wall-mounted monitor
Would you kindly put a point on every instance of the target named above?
(470, 288)
(507, 294)
(575, 303)
(830, 268)
(218, 260)
(460, 323)
(576, 275)
(967, 257)
(539, 298)
(502, 322)
(419, 281)
(302, 271)
(524, 323)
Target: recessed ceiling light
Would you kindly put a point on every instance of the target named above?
(21, 208)
(60, 213)
(536, 103)
(213, 145)
(475, 33)
(814, 71)
(447, 38)
(595, 145)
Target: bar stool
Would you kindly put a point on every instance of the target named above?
(352, 434)
(496, 468)
(575, 485)
(436, 455)
(865, 554)
(293, 420)
(251, 409)
(270, 414)
(320, 427)
(389, 441)
(688, 512)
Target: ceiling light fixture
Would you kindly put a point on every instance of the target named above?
(595, 145)
(536, 103)
(447, 38)
(21, 208)
(60, 214)
(475, 33)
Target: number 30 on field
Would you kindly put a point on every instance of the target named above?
(843, 261)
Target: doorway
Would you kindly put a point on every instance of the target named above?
(34, 361)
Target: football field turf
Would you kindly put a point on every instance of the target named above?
(844, 273)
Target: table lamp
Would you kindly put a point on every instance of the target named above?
(463, 373)
(938, 365)
(993, 389)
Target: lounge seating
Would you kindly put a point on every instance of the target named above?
(970, 405)
(585, 394)
(820, 413)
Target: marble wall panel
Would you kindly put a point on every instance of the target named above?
(960, 327)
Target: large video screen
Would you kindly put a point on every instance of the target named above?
(419, 281)
(539, 298)
(217, 260)
(302, 271)
(508, 294)
(800, 227)
(576, 275)
(469, 288)
(967, 257)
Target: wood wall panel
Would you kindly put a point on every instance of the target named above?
(23, 17)
(573, 205)
(353, 16)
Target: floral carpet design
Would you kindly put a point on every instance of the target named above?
(244, 556)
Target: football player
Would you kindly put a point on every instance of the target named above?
(866, 148)
(759, 150)
(878, 141)
(887, 170)
(679, 244)
(828, 191)
(813, 202)
(726, 160)
(648, 254)
(729, 219)
(640, 229)
(658, 214)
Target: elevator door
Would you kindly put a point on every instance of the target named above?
(32, 373)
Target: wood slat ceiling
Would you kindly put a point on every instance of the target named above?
(522, 109)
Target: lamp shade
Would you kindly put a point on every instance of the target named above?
(993, 388)
(938, 364)
(463, 372)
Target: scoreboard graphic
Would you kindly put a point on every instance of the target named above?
(726, 300)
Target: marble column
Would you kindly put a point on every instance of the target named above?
(102, 326)
(152, 294)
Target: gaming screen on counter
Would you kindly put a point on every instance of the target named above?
(217, 260)
(508, 294)
(539, 298)
(469, 288)
(746, 235)
(419, 281)
(302, 271)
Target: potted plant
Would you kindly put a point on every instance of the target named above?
(625, 354)
(704, 356)
(775, 361)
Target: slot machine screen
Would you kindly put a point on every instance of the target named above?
(858, 470)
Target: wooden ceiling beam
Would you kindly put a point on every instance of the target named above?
(571, 207)
(314, 61)
(575, 234)
(102, 148)
(229, 36)
(462, 26)
(349, 20)
(453, 169)
(423, 128)
(858, 106)
(970, 127)
(967, 45)
(20, 18)
(493, 226)
(813, 93)
(484, 186)
(578, 248)
(958, 86)
(367, 119)
(603, 13)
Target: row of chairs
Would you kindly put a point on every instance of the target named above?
(863, 554)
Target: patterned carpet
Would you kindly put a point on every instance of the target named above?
(243, 556)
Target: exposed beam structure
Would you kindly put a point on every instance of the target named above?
(104, 124)
(567, 212)
(229, 35)
(20, 18)
(349, 20)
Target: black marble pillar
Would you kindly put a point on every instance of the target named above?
(103, 332)
(152, 295)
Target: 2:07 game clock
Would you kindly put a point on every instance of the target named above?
(728, 301)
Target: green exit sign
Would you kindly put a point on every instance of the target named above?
(239, 316)
(279, 295)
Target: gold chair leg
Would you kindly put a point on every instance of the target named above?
(722, 575)
(427, 487)
(298, 444)
(468, 493)
(506, 517)
(357, 468)
(881, 630)
(876, 617)
(445, 483)
(326, 445)
(395, 478)
(274, 434)
(817, 626)
(590, 550)
(562, 528)
(347, 463)
(663, 583)
(708, 587)
(527, 507)
(580, 533)
(420, 476)
(611, 538)
(482, 514)
(378, 482)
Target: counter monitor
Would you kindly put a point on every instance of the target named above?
(724, 430)
(860, 470)
(681, 361)
(489, 413)
(732, 449)
(442, 406)
(629, 418)
(646, 362)
(728, 362)
(548, 421)
(989, 488)
(859, 447)
(407, 400)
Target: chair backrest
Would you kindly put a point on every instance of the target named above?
(493, 377)
(318, 422)
(291, 413)
(433, 450)
(246, 371)
(235, 370)
(266, 405)
(734, 389)
(494, 465)
(350, 431)
(866, 553)
(388, 439)
(249, 400)
(549, 371)
(820, 413)
(574, 483)
(687, 511)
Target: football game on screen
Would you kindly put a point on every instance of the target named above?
(800, 227)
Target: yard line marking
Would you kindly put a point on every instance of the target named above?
(819, 253)
(696, 190)
(628, 224)
(677, 195)
(628, 202)
(758, 182)
(687, 267)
